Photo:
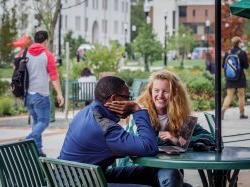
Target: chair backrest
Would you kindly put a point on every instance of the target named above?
(137, 87)
(211, 122)
(83, 91)
(62, 173)
(20, 165)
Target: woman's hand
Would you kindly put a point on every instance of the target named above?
(182, 141)
(166, 135)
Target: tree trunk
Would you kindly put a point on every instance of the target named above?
(53, 24)
(182, 60)
(146, 67)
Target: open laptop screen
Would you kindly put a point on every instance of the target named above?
(186, 132)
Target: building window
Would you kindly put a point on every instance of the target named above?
(78, 23)
(206, 12)
(95, 4)
(116, 27)
(105, 4)
(182, 11)
(86, 3)
(174, 23)
(86, 24)
(122, 26)
(104, 26)
(116, 5)
(126, 6)
(66, 22)
(123, 6)
(194, 12)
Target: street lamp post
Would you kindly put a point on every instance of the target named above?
(165, 40)
(59, 37)
(125, 33)
(207, 29)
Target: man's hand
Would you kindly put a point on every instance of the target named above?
(122, 108)
(60, 100)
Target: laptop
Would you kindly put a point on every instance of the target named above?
(184, 138)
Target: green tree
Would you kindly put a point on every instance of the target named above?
(8, 32)
(147, 45)
(74, 43)
(183, 41)
(138, 17)
(47, 13)
(104, 58)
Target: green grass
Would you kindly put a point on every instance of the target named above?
(174, 63)
(6, 72)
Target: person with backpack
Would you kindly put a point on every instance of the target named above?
(41, 67)
(234, 63)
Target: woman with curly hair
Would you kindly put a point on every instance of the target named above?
(167, 102)
(169, 107)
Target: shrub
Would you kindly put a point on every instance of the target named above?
(104, 59)
(129, 75)
(202, 104)
(6, 106)
(76, 69)
(4, 87)
(201, 86)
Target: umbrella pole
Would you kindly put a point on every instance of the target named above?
(218, 75)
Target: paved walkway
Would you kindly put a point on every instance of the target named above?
(14, 128)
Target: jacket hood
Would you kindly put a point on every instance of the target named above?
(36, 49)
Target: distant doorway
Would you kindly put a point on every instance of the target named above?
(95, 32)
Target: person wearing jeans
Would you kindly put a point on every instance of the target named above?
(41, 69)
(39, 108)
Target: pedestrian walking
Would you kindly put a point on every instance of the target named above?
(210, 63)
(234, 63)
(41, 69)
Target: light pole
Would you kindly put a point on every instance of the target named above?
(165, 40)
(207, 31)
(125, 33)
(125, 38)
(59, 61)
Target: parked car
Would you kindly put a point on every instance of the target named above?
(198, 53)
(172, 55)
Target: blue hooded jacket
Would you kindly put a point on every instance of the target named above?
(95, 137)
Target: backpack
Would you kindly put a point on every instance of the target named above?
(20, 77)
(232, 67)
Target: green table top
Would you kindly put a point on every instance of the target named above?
(230, 158)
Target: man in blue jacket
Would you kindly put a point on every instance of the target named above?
(95, 137)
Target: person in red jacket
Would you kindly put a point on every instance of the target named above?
(41, 69)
